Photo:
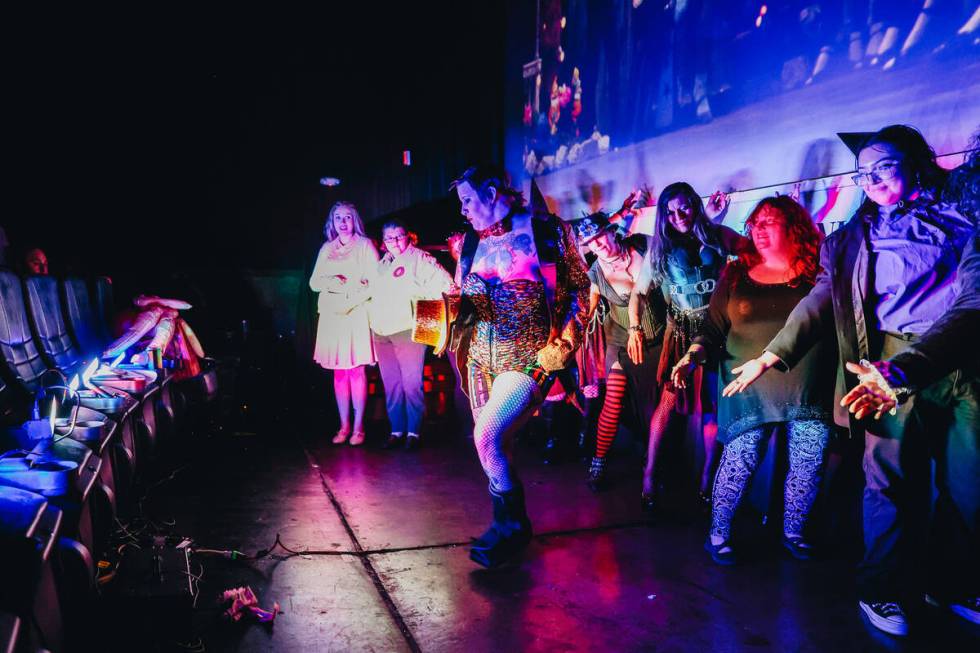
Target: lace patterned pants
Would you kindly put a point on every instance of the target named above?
(807, 441)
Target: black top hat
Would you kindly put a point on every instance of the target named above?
(854, 140)
(588, 228)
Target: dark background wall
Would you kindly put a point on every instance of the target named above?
(180, 152)
(197, 141)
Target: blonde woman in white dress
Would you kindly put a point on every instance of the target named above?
(346, 262)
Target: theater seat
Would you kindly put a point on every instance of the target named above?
(44, 306)
(83, 324)
(105, 307)
(17, 347)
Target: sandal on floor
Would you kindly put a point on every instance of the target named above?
(341, 437)
(798, 547)
(357, 439)
(722, 554)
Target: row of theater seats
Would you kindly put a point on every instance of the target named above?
(52, 534)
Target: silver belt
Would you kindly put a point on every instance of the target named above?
(704, 287)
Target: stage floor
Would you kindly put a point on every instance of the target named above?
(387, 568)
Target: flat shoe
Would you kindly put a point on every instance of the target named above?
(341, 437)
(722, 554)
(357, 439)
(798, 547)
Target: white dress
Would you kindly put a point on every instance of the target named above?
(341, 276)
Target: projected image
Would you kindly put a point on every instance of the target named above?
(603, 76)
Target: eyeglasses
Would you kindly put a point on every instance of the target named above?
(881, 172)
(395, 239)
(766, 224)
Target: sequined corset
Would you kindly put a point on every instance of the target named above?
(512, 323)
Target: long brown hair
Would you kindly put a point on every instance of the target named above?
(803, 234)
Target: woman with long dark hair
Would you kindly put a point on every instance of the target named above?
(346, 263)
(685, 257)
(754, 297)
(888, 275)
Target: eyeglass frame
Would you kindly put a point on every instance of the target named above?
(875, 175)
(395, 239)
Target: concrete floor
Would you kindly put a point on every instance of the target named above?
(385, 567)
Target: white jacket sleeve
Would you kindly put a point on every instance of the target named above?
(431, 278)
(319, 277)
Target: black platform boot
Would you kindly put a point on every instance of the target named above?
(509, 534)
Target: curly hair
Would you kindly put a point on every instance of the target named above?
(803, 234)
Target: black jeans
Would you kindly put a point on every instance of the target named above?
(922, 492)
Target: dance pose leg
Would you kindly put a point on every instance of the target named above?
(658, 426)
(512, 398)
(612, 407)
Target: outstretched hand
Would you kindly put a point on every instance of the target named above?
(747, 374)
(870, 395)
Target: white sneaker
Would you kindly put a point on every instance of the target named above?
(967, 608)
(886, 616)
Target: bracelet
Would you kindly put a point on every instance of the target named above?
(636, 328)
(874, 376)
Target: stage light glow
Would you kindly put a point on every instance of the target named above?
(87, 374)
(118, 360)
(73, 386)
(329, 181)
(563, 22)
(54, 411)
(406, 157)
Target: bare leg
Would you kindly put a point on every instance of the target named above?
(358, 395)
(658, 426)
(341, 391)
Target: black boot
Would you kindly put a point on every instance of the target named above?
(597, 475)
(509, 534)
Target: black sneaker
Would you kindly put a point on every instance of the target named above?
(393, 442)
(887, 617)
